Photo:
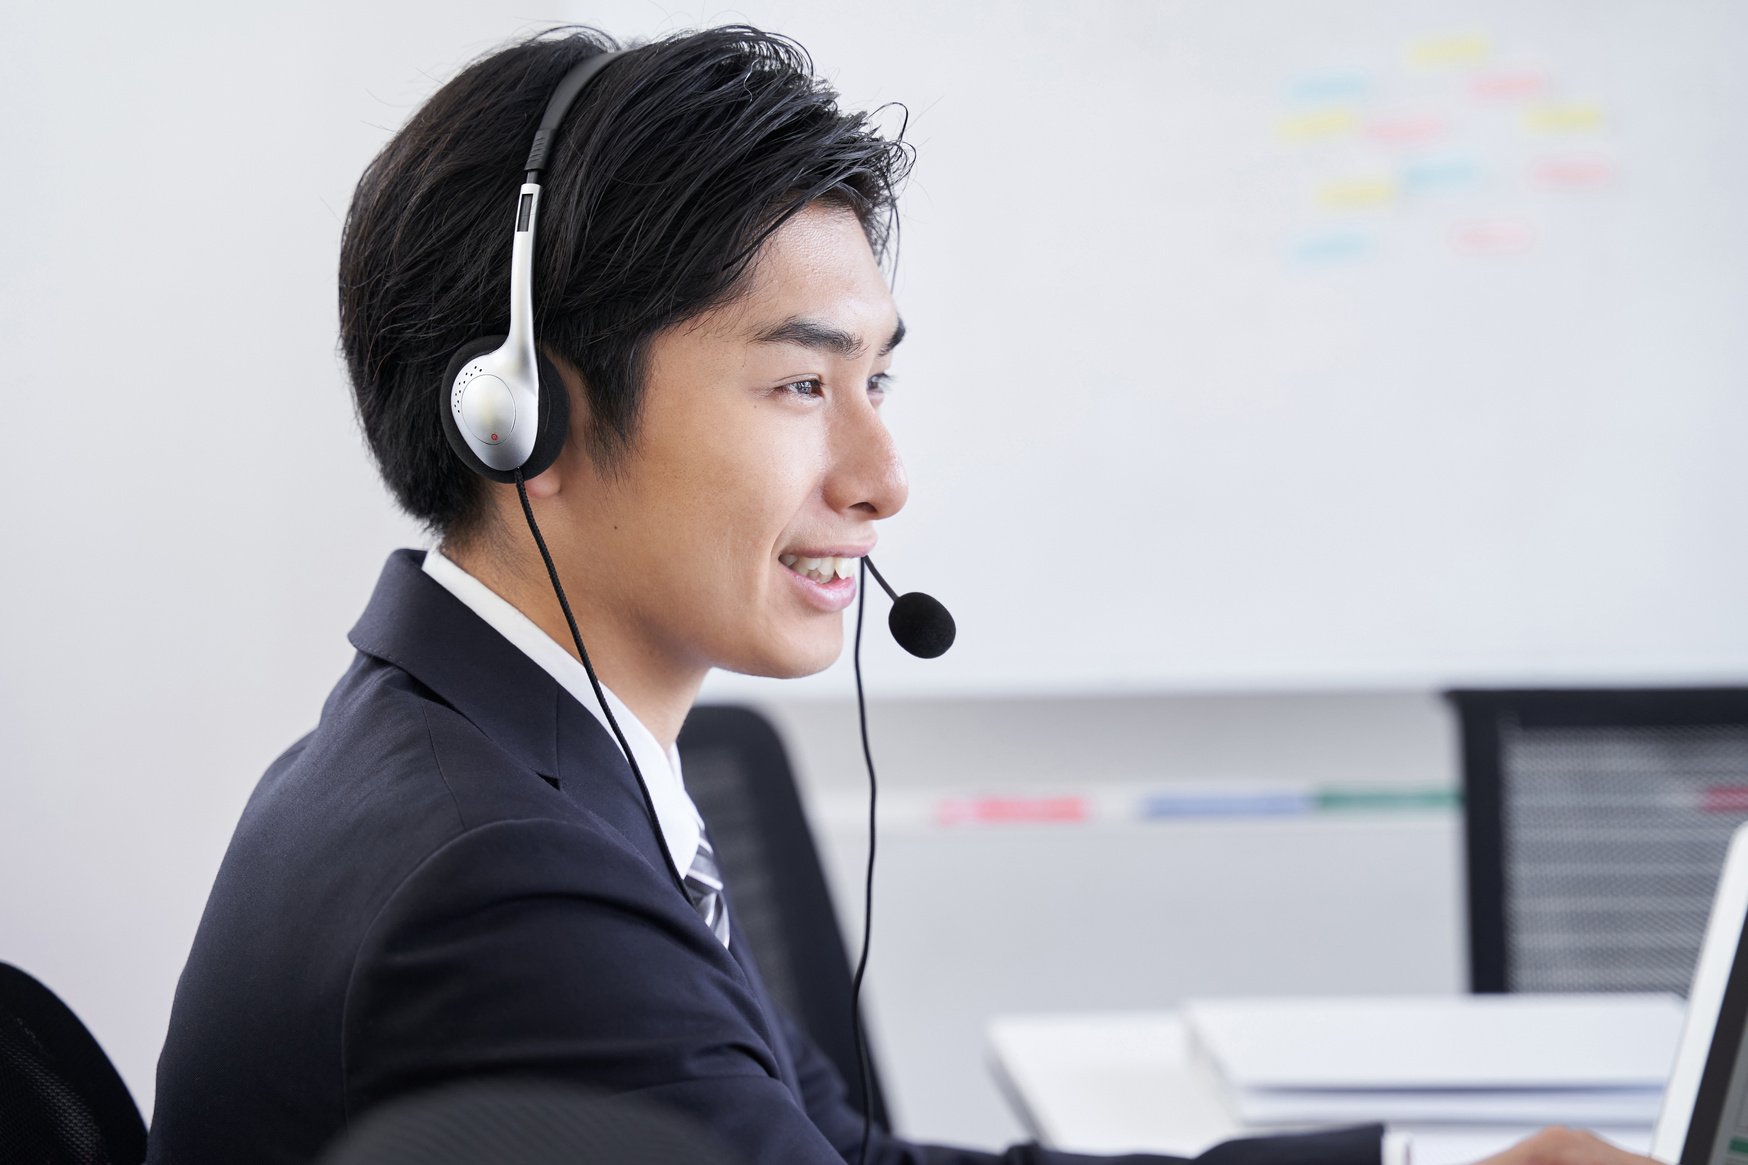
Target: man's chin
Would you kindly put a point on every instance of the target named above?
(797, 662)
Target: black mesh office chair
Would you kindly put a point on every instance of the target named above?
(1597, 822)
(61, 1101)
(492, 1122)
(738, 775)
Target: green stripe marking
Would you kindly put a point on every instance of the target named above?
(1372, 800)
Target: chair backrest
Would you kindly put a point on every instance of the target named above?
(1597, 822)
(61, 1100)
(489, 1122)
(738, 775)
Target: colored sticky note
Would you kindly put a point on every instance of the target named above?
(1330, 89)
(1493, 237)
(1437, 175)
(1357, 193)
(1574, 117)
(1330, 247)
(1573, 173)
(1509, 85)
(1446, 51)
(1317, 123)
(1406, 129)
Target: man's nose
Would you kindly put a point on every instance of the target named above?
(866, 473)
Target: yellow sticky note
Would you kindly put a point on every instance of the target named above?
(1569, 118)
(1317, 123)
(1445, 51)
(1357, 193)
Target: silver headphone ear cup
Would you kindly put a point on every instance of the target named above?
(446, 412)
(551, 426)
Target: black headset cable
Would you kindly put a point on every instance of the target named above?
(862, 1059)
(570, 619)
(595, 683)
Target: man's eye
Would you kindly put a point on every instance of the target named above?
(880, 382)
(808, 387)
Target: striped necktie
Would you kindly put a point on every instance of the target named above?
(704, 887)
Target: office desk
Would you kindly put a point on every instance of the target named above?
(1130, 1081)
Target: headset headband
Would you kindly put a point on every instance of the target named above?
(528, 204)
(494, 385)
(571, 84)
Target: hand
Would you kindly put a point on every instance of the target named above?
(1558, 1146)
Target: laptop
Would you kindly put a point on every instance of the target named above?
(1704, 1119)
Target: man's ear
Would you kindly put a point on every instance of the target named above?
(550, 482)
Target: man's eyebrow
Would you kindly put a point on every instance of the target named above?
(897, 335)
(819, 335)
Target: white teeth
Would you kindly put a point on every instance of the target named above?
(820, 570)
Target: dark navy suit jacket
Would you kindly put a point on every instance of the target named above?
(453, 877)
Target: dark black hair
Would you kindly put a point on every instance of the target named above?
(674, 165)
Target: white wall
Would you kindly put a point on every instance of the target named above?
(193, 523)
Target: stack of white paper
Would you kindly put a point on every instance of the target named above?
(1590, 1060)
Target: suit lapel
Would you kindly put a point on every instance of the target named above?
(414, 623)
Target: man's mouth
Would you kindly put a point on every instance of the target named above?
(820, 570)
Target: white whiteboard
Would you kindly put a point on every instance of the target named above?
(1333, 343)
(1344, 342)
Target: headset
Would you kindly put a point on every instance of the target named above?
(506, 414)
(507, 408)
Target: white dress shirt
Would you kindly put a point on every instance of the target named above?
(678, 817)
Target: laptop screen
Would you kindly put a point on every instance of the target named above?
(1717, 1134)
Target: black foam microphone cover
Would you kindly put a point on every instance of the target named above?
(921, 625)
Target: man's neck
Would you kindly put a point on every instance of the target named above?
(659, 697)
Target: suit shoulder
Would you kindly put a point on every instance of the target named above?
(389, 749)
(485, 781)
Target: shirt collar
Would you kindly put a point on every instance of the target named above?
(675, 813)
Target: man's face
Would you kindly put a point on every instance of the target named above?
(759, 447)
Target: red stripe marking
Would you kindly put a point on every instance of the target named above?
(1725, 799)
(1012, 810)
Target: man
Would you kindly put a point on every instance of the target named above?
(457, 874)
